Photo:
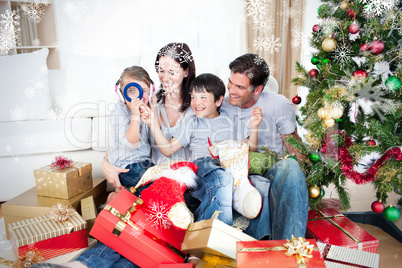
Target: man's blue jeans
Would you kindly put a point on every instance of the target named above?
(284, 195)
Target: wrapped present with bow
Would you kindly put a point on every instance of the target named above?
(143, 234)
(213, 237)
(297, 252)
(333, 228)
(63, 178)
(61, 231)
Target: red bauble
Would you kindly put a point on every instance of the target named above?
(313, 72)
(354, 28)
(296, 99)
(351, 14)
(363, 47)
(377, 207)
(376, 47)
(371, 142)
(360, 74)
(316, 28)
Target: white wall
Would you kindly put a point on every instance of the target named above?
(214, 30)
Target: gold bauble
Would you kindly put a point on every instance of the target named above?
(329, 122)
(322, 113)
(335, 112)
(329, 44)
(314, 191)
(344, 5)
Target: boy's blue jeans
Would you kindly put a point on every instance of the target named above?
(131, 178)
(284, 195)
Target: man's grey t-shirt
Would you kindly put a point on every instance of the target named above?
(120, 152)
(199, 129)
(278, 118)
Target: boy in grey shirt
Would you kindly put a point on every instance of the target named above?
(207, 92)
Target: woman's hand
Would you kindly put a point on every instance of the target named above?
(112, 172)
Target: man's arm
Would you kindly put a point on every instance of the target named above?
(290, 148)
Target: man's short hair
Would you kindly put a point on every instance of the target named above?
(252, 65)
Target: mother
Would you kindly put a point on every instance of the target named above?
(176, 69)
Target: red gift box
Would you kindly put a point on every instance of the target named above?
(271, 253)
(47, 236)
(333, 228)
(139, 233)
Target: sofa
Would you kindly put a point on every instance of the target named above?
(45, 113)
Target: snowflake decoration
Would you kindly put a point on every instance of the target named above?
(272, 44)
(328, 26)
(137, 232)
(254, 8)
(18, 114)
(259, 43)
(378, 7)
(36, 42)
(74, 11)
(290, 13)
(157, 215)
(30, 142)
(342, 55)
(30, 92)
(34, 11)
(258, 60)
(298, 37)
(263, 24)
(170, 52)
(250, 75)
(9, 31)
(271, 68)
(374, 95)
(16, 160)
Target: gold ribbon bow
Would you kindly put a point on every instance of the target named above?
(296, 246)
(299, 247)
(213, 260)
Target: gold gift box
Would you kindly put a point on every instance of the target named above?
(213, 237)
(29, 204)
(63, 183)
(212, 261)
(89, 211)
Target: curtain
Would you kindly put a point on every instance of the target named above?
(275, 32)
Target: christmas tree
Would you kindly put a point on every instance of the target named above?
(353, 111)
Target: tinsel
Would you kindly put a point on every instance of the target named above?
(61, 212)
(31, 258)
(347, 163)
(61, 162)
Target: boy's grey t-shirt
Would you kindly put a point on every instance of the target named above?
(278, 119)
(222, 127)
(120, 152)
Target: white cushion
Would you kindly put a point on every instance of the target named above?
(90, 82)
(44, 136)
(101, 136)
(25, 88)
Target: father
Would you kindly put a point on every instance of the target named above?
(283, 187)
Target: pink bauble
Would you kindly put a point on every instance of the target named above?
(351, 14)
(363, 47)
(316, 28)
(354, 28)
(360, 74)
(376, 47)
(313, 72)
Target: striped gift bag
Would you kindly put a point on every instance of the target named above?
(51, 238)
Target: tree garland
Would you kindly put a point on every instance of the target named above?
(346, 159)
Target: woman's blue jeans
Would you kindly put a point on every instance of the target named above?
(284, 198)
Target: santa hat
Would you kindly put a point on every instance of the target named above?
(184, 172)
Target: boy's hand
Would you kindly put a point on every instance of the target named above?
(256, 117)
